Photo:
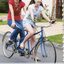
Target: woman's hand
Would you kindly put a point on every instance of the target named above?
(13, 25)
(52, 21)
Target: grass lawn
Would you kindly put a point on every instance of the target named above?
(3, 22)
(56, 38)
(43, 20)
(40, 20)
(1, 14)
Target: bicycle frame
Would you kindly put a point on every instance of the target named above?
(41, 40)
(43, 51)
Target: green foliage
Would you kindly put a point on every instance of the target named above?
(3, 22)
(3, 6)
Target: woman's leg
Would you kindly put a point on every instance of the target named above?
(21, 32)
(14, 33)
(30, 33)
(32, 39)
(18, 30)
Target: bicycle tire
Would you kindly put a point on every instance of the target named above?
(4, 41)
(48, 55)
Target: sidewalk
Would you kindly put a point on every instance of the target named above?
(53, 30)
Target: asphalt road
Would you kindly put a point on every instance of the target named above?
(18, 59)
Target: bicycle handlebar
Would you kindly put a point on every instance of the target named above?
(50, 23)
(44, 26)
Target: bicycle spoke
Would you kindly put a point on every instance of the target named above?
(48, 54)
(7, 46)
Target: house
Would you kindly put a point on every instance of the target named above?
(57, 6)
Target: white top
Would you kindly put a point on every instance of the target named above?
(35, 12)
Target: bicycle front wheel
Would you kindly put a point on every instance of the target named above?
(7, 46)
(46, 52)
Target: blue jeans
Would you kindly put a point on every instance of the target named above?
(18, 30)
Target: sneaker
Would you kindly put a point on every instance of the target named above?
(21, 52)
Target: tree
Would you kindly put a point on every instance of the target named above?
(3, 6)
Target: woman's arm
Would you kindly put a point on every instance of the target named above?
(12, 16)
(23, 12)
(45, 16)
(31, 13)
(12, 12)
(24, 9)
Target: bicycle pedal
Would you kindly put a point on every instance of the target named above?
(26, 51)
(10, 42)
(15, 51)
(44, 55)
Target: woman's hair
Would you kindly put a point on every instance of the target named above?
(32, 1)
(41, 4)
(20, 0)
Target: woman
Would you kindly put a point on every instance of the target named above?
(15, 19)
(34, 10)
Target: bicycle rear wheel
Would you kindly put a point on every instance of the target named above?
(7, 46)
(48, 52)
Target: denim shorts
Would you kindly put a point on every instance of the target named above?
(28, 21)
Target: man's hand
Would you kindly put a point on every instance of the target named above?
(13, 25)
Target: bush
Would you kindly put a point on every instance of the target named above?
(3, 6)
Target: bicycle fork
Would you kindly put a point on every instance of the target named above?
(42, 44)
